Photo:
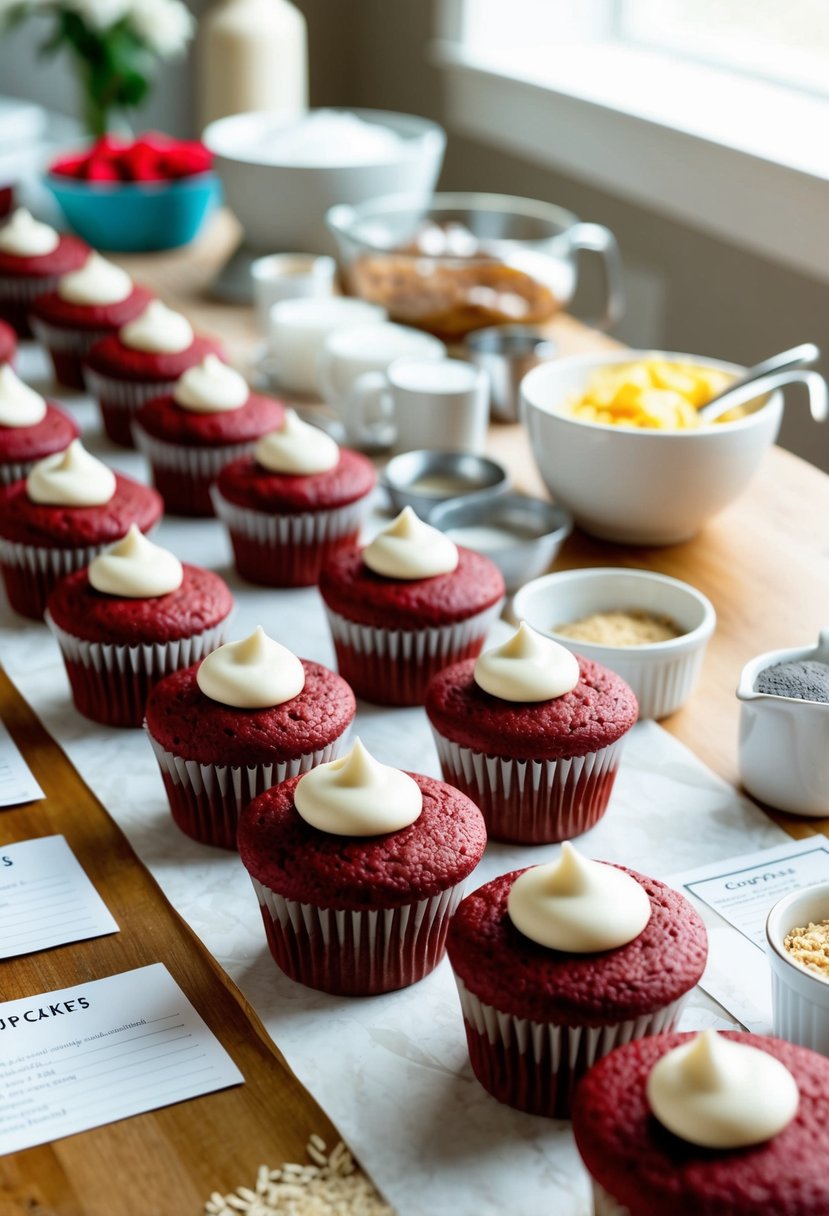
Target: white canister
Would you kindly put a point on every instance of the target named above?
(297, 333)
(784, 741)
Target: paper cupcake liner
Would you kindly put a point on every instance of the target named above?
(15, 470)
(604, 1204)
(288, 550)
(533, 801)
(535, 1066)
(394, 666)
(206, 799)
(17, 295)
(110, 683)
(183, 475)
(30, 572)
(357, 953)
(67, 349)
(120, 400)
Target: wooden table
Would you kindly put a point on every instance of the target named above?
(763, 562)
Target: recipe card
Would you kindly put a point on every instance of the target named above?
(17, 783)
(46, 898)
(93, 1053)
(734, 898)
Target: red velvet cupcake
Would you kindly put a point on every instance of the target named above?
(358, 868)
(210, 418)
(86, 304)
(30, 427)
(133, 616)
(247, 717)
(143, 360)
(404, 607)
(66, 511)
(33, 257)
(533, 734)
(294, 504)
(8, 343)
(611, 957)
(768, 1104)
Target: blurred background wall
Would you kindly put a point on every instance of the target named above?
(687, 289)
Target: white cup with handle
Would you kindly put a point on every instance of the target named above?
(298, 330)
(440, 404)
(352, 373)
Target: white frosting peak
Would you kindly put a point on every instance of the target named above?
(19, 404)
(25, 237)
(135, 568)
(158, 330)
(717, 1093)
(408, 548)
(357, 796)
(211, 387)
(577, 905)
(527, 667)
(97, 282)
(297, 448)
(255, 673)
(71, 478)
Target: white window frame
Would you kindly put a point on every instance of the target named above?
(661, 131)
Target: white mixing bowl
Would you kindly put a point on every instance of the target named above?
(282, 206)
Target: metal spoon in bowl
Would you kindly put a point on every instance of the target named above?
(797, 357)
(742, 393)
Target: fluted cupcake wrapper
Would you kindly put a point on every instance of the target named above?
(183, 475)
(535, 1066)
(67, 349)
(604, 1204)
(394, 666)
(120, 400)
(18, 294)
(31, 571)
(15, 470)
(206, 799)
(357, 953)
(288, 550)
(110, 683)
(533, 801)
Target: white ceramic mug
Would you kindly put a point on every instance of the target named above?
(289, 276)
(352, 373)
(297, 332)
(441, 404)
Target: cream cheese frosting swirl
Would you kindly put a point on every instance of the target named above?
(527, 667)
(355, 795)
(71, 478)
(25, 237)
(135, 568)
(158, 330)
(408, 548)
(97, 282)
(256, 673)
(297, 448)
(577, 905)
(211, 387)
(717, 1093)
(19, 404)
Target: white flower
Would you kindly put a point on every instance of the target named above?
(166, 26)
(100, 14)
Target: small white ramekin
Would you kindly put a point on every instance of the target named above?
(784, 741)
(661, 674)
(800, 998)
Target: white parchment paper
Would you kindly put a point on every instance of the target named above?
(391, 1071)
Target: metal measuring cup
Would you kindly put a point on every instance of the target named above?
(507, 353)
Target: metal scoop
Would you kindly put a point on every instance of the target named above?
(782, 369)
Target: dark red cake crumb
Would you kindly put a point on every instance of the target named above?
(653, 1172)
(514, 974)
(164, 419)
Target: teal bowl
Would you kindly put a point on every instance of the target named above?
(136, 217)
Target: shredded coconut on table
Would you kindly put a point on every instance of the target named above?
(331, 1186)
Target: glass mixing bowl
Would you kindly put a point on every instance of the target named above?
(467, 261)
